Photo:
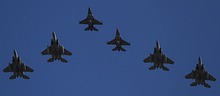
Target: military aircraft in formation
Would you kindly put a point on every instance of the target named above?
(118, 41)
(17, 67)
(90, 21)
(56, 50)
(158, 58)
(200, 75)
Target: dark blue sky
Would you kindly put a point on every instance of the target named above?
(186, 30)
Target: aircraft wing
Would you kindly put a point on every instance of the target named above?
(123, 42)
(169, 61)
(66, 52)
(28, 69)
(8, 68)
(148, 59)
(85, 21)
(112, 42)
(45, 52)
(210, 77)
(96, 22)
(190, 75)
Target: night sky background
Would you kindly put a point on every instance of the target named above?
(186, 29)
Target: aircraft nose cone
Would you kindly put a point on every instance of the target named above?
(54, 35)
(200, 60)
(157, 44)
(117, 32)
(89, 11)
(15, 53)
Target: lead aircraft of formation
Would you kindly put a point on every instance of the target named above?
(90, 21)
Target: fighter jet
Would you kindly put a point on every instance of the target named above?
(90, 21)
(56, 50)
(158, 58)
(17, 67)
(118, 41)
(200, 75)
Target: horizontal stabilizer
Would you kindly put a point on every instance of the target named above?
(193, 84)
(152, 68)
(91, 28)
(95, 29)
(114, 49)
(12, 77)
(165, 68)
(122, 49)
(63, 60)
(50, 60)
(88, 28)
(25, 77)
(207, 85)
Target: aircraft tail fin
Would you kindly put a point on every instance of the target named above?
(165, 68)
(152, 68)
(25, 77)
(12, 77)
(50, 60)
(207, 85)
(63, 60)
(193, 84)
